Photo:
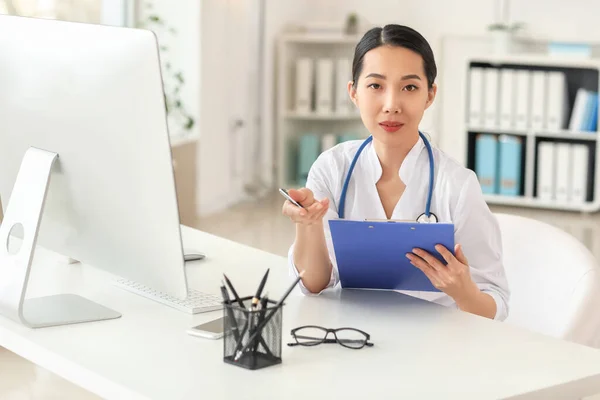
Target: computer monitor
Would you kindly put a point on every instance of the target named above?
(93, 95)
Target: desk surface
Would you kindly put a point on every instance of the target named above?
(422, 350)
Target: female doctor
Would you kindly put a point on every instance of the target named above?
(396, 174)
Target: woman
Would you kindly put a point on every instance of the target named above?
(393, 83)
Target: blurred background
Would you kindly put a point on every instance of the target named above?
(256, 91)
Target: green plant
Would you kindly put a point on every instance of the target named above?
(173, 79)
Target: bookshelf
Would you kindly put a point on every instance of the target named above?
(532, 133)
(292, 124)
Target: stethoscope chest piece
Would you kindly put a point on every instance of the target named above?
(423, 218)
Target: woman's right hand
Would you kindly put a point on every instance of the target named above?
(313, 211)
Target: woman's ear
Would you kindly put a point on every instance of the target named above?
(431, 95)
(352, 93)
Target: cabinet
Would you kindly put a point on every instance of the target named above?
(530, 101)
(313, 121)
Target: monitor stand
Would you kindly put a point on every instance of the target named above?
(24, 211)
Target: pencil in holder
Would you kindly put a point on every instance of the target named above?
(252, 336)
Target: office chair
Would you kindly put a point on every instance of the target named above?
(554, 281)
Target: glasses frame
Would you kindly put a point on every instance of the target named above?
(327, 331)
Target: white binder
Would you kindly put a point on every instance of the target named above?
(545, 171)
(522, 96)
(304, 85)
(328, 140)
(579, 108)
(557, 101)
(579, 173)
(491, 98)
(324, 86)
(538, 100)
(343, 74)
(563, 172)
(475, 114)
(507, 98)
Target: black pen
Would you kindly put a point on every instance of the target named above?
(233, 322)
(256, 297)
(268, 318)
(264, 302)
(235, 295)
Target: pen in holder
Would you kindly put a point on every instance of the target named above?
(253, 335)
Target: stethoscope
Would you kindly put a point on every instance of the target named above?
(427, 216)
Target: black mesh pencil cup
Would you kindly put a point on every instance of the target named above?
(253, 336)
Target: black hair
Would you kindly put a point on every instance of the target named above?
(394, 35)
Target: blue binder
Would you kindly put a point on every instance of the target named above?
(309, 149)
(511, 148)
(372, 255)
(486, 162)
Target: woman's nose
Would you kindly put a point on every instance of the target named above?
(392, 105)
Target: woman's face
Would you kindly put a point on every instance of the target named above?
(392, 94)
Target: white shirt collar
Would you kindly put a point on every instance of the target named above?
(406, 169)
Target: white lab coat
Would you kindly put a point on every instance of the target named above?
(457, 198)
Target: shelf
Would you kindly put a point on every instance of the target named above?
(497, 131)
(537, 203)
(533, 60)
(591, 136)
(322, 117)
(558, 134)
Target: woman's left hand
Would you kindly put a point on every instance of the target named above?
(454, 279)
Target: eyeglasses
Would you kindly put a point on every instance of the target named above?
(311, 335)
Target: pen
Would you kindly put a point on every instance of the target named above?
(268, 318)
(256, 297)
(233, 322)
(264, 301)
(235, 295)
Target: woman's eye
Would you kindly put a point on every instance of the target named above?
(410, 88)
(374, 86)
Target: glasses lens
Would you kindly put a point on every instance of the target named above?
(310, 336)
(351, 338)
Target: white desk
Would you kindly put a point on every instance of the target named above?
(421, 350)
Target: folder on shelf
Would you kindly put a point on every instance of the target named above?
(510, 151)
(308, 151)
(591, 115)
(328, 140)
(576, 123)
(558, 101)
(579, 172)
(475, 114)
(491, 98)
(538, 100)
(507, 98)
(522, 96)
(343, 74)
(324, 86)
(486, 156)
(345, 137)
(545, 171)
(563, 172)
(304, 85)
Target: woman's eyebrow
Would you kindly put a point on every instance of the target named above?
(405, 77)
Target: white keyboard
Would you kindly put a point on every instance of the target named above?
(196, 302)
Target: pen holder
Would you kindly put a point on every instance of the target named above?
(253, 336)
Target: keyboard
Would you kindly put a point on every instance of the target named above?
(196, 302)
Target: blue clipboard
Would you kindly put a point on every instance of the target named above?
(372, 255)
